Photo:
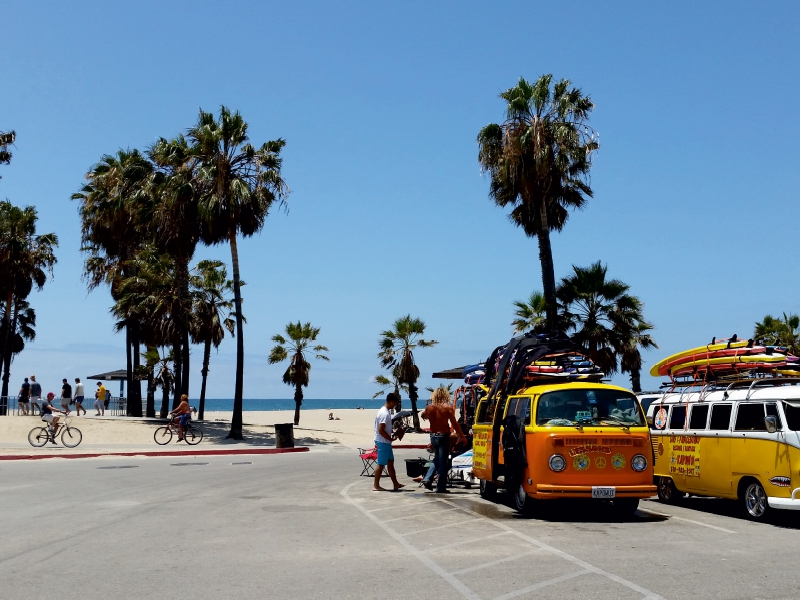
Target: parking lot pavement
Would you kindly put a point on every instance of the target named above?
(306, 526)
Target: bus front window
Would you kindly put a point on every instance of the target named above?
(593, 407)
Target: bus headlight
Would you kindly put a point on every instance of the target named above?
(557, 463)
(639, 463)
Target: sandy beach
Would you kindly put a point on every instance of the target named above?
(353, 429)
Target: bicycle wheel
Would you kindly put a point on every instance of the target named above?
(163, 435)
(71, 437)
(193, 435)
(38, 437)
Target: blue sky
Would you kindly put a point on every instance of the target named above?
(380, 103)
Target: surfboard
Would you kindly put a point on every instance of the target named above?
(727, 360)
(656, 371)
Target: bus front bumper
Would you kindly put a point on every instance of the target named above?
(785, 503)
(544, 491)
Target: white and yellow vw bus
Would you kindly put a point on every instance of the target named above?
(740, 441)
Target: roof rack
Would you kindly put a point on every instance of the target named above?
(750, 384)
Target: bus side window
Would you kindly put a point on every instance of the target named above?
(521, 408)
(750, 417)
(792, 412)
(485, 411)
(772, 411)
(699, 416)
(512, 406)
(720, 417)
(677, 418)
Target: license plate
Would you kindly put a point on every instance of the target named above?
(604, 493)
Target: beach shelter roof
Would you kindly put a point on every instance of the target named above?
(449, 374)
(120, 375)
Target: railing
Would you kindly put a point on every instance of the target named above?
(9, 406)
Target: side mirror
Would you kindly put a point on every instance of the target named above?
(771, 423)
(650, 421)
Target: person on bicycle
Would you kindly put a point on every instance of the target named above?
(47, 409)
(181, 415)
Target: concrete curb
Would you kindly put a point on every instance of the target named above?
(410, 446)
(158, 453)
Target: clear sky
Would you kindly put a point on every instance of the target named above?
(695, 186)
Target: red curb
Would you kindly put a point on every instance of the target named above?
(157, 453)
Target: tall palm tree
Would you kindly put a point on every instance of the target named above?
(599, 312)
(26, 259)
(165, 379)
(538, 160)
(631, 359)
(239, 185)
(22, 324)
(211, 313)
(531, 315)
(397, 354)
(779, 331)
(115, 211)
(295, 349)
(6, 139)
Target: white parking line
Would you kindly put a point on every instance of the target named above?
(652, 512)
(538, 586)
(399, 506)
(462, 542)
(443, 526)
(486, 565)
(417, 515)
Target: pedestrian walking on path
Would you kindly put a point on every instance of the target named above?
(383, 442)
(79, 397)
(100, 398)
(66, 396)
(24, 397)
(441, 415)
(36, 395)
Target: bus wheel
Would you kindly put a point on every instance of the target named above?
(667, 492)
(487, 489)
(626, 507)
(522, 502)
(755, 502)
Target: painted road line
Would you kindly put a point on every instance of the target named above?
(658, 514)
(568, 557)
(543, 584)
(462, 542)
(425, 560)
(456, 524)
(400, 506)
(486, 565)
(417, 515)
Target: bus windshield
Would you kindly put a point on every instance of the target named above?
(611, 408)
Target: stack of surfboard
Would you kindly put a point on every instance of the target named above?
(568, 364)
(474, 374)
(728, 358)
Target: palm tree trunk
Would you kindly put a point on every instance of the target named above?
(7, 345)
(636, 380)
(186, 359)
(548, 270)
(412, 395)
(151, 396)
(129, 366)
(204, 373)
(164, 402)
(9, 349)
(135, 387)
(298, 400)
(236, 418)
(177, 363)
(182, 281)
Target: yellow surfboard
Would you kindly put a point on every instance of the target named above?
(694, 351)
(730, 360)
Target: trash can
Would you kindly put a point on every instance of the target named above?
(284, 435)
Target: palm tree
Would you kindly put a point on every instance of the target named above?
(600, 313)
(22, 323)
(6, 139)
(211, 313)
(397, 354)
(147, 372)
(539, 160)
(780, 332)
(631, 359)
(295, 349)
(239, 184)
(165, 379)
(26, 259)
(387, 383)
(531, 315)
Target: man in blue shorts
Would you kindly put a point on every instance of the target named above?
(383, 442)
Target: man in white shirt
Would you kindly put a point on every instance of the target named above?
(383, 442)
(79, 389)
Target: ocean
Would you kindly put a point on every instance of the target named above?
(226, 404)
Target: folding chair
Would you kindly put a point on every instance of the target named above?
(368, 458)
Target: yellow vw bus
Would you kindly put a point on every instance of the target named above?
(740, 441)
(578, 440)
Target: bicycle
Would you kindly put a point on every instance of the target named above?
(70, 436)
(192, 435)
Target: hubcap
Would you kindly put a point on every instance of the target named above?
(665, 487)
(755, 500)
(522, 496)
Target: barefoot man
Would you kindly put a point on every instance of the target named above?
(441, 415)
(383, 441)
